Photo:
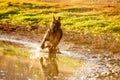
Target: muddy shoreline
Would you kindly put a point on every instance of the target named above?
(81, 41)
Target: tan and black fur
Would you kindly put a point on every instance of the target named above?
(53, 35)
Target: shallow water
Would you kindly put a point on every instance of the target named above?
(18, 69)
(34, 46)
(96, 67)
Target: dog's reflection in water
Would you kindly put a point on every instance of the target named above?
(49, 66)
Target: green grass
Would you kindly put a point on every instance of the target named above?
(73, 17)
(6, 49)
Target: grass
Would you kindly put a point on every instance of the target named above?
(11, 50)
(73, 17)
(95, 20)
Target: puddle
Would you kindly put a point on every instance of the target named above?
(14, 69)
(103, 67)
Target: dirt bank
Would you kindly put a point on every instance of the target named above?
(82, 41)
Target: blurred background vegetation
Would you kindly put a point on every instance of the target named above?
(77, 15)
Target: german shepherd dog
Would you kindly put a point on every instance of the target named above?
(53, 35)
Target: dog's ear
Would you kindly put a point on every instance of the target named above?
(58, 18)
(54, 18)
